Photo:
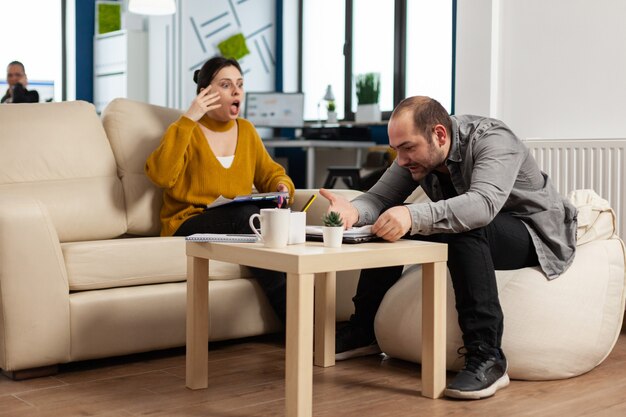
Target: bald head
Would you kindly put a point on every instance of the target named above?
(425, 112)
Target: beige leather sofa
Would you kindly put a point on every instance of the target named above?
(83, 273)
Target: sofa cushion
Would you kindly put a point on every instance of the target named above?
(120, 321)
(135, 130)
(59, 154)
(135, 261)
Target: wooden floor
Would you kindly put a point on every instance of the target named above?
(246, 379)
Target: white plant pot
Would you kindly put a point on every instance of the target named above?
(332, 117)
(368, 113)
(332, 236)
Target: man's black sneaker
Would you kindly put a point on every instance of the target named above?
(352, 341)
(482, 375)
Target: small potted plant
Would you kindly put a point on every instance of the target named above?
(332, 230)
(332, 114)
(368, 94)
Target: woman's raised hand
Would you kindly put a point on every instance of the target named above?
(204, 102)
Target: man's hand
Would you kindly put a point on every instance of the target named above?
(393, 223)
(349, 213)
(204, 102)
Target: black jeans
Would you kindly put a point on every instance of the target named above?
(233, 218)
(473, 257)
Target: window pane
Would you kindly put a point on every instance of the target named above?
(429, 50)
(31, 33)
(372, 50)
(322, 55)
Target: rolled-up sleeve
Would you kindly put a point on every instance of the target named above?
(391, 190)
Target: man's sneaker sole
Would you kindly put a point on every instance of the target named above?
(372, 349)
(477, 395)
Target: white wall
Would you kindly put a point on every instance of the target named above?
(548, 68)
(163, 47)
(290, 46)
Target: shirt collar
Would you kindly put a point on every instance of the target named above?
(455, 147)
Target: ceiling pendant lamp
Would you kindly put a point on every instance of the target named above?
(152, 7)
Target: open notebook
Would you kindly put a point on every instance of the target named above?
(352, 235)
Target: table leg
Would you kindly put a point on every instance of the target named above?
(359, 155)
(197, 371)
(325, 299)
(310, 167)
(299, 346)
(433, 329)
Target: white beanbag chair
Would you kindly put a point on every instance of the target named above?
(552, 329)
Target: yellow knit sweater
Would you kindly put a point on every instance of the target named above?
(186, 168)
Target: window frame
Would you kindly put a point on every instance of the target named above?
(399, 66)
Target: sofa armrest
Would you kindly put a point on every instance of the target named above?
(34, 291)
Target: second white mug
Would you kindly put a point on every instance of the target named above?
(297, 227)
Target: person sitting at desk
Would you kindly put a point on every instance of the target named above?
(210, 152)
(17, 80)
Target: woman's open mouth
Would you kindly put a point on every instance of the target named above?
(234, 108)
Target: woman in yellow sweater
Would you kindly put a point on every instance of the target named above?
(209, 151)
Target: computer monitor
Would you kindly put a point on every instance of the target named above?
(275, 109)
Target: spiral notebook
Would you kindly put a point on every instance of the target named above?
(217, 237)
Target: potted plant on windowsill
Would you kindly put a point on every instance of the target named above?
(333, 229)
(332, 114)
(368, 94)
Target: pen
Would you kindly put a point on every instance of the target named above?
(308, 203)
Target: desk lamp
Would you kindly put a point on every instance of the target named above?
(330, 98)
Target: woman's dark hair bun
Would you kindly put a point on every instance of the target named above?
(195, 76)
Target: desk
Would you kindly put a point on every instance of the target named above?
(311, 269)
(311, 145)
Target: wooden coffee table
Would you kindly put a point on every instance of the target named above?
(311, 268)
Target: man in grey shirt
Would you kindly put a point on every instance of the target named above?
(491, 204)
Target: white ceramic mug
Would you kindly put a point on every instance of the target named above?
(297, 227)
(274, 231)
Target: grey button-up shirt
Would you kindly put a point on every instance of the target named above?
(492, 171)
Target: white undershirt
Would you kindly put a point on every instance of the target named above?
(226, 161)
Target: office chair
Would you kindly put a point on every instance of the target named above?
(377, 161)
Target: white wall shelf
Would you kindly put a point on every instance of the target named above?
(120, 67)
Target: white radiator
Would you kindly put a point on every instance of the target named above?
(593, 164)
